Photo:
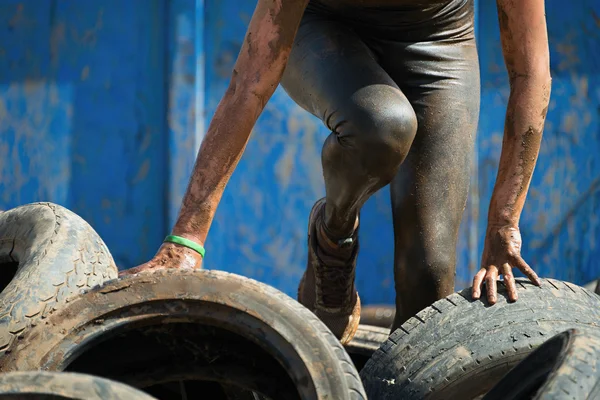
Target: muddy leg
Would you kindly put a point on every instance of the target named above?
(429, 194)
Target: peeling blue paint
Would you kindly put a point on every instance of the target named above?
(183, 71)
(82, 94)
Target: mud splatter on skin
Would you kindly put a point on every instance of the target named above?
(256, 75)
(523, 48)
(519, 154)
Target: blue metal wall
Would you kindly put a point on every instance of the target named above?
(82, 114)
(104, 103)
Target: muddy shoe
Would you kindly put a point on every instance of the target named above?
(327, 286)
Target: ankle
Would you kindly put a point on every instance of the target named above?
(337, 235)
(340, 246)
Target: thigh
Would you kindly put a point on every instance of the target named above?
(331, 73)
(429, 193)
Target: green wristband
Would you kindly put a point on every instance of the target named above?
(187, 243)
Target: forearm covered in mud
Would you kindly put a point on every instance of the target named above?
(255, 77)
(525, 116)
(526, 54)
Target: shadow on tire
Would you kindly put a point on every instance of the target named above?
(8, 270)
(567, 366)
(365, 342)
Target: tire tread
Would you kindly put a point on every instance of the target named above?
(32, 294)
(429, 334)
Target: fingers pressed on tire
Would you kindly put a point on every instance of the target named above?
(477, 282)
(491, 285)
(526, 269)
(509, 282)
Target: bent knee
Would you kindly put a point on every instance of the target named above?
(381, 122)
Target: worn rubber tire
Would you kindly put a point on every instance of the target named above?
(310, 354)
(378, 315)
(460, 347)
(579, 375)
(565, 367)
(58, 255)
(365, 342)
(593, 286)
(41, 385)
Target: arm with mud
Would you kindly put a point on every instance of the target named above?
(256, 75)
(525, 48)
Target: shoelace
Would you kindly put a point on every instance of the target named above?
(336, 283)
(336, 274)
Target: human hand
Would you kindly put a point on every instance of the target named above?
(169, 256)
(501, 253)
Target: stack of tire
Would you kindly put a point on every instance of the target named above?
(170, 335)
(69, 328)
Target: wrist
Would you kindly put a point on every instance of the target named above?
(500, 223)
(190, 244)
(194, 237)
(170, 254)
(496, 226)
(499, 216)
(494, 229)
